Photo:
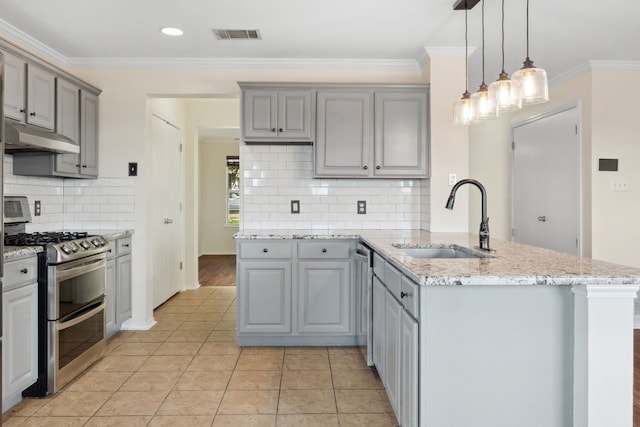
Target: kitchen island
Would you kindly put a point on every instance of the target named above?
(525, 337)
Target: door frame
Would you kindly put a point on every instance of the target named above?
(577, 105)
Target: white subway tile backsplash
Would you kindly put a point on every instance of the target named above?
(74, 204)
(286, 173)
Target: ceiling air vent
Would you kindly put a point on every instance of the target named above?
(237, 34)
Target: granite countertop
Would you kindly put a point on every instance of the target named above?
(510, 263)
(14, 252)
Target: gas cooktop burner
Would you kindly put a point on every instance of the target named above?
(42, 239)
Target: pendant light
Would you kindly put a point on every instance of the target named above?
(505, 92)
(463, 109)
(484, 106)
(534, 87)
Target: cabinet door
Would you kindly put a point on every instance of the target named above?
(41, 97)
(264, 297)
(67, 123)
(111, 325)
(88, 134)
(408, 413)
(123, 292)
(344, 134)
(379, 292)
(14, 89)
(401, 134)
(295, 115)
(259, 113)
(324, 297)
(392, 313)
(20, 341)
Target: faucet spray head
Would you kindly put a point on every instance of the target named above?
(450, 201)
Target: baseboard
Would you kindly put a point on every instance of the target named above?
(191, 286)
(130, 325)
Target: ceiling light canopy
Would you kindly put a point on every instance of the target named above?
(172, 31)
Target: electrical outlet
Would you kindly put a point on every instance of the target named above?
(362, 207)
(37, 208)
(452, 179)
(295, 206)
(619, 185)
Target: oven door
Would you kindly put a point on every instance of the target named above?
(75, 285)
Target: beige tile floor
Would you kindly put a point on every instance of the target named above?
(189, 371)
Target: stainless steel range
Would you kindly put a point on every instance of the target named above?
(71, 300)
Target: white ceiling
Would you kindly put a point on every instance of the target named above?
(391, 33)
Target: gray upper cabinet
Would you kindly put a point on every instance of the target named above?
(401, 133)
(68, 123)
(277, 114)
(29, 93)
(372, 132)
(344, 130)
(88, 135)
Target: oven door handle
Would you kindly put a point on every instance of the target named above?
(62, 274)
(60, 326)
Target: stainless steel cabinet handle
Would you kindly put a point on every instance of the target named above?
(542, 218)
(24, 271)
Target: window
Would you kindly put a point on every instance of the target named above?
(233, 190)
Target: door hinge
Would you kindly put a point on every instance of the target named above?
(181, 148)
(513, 232)
(576, 129)
(513, 145)
(577, 244)
(180, 265)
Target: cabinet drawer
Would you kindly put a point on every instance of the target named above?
(123, 246)
(264, 250)
(20, 272)
(410, 296)
(324, 250)
(392, 278)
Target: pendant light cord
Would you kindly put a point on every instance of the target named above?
(466, 51)
(527, 29)
(483, 41)
(503, 36)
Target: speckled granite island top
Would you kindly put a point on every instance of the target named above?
(510, 263)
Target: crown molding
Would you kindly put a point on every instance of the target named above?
(25, 41)
(402, 64)
(438, 52)
(592, 65)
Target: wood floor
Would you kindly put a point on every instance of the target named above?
(217, 270)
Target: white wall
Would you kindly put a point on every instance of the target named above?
(215, 236)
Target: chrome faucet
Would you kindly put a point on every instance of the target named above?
(484, 223)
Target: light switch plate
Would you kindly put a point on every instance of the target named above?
(295, 206)
(362, 207)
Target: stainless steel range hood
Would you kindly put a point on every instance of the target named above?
(21, 138)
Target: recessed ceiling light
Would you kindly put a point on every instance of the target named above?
(172, 31)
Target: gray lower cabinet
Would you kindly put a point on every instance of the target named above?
(264, 297)
(395, 339)
(375, 132)
(118, 284)
(296, 293)
(19, 319)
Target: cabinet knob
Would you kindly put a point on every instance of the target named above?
(365, 167)
(403, 294)
(273, 130)
(280, 130)
(84, 166)
(78, 165)
(22, 110)
(324, 250)
(125, 245)
(32, 114)
(265, 250)
(24, 271)
(378, 167)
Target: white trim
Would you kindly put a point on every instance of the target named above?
(130, 325)
(592, 65)
(438, 52)
(606, 291)
(23, 39)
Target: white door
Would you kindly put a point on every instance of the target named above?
(545, 192)
(167, 210)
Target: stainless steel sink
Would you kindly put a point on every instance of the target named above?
(452, 251)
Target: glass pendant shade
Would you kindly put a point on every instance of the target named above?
(505, 93)
(483, 106)
(463, 113)
(534, 87)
